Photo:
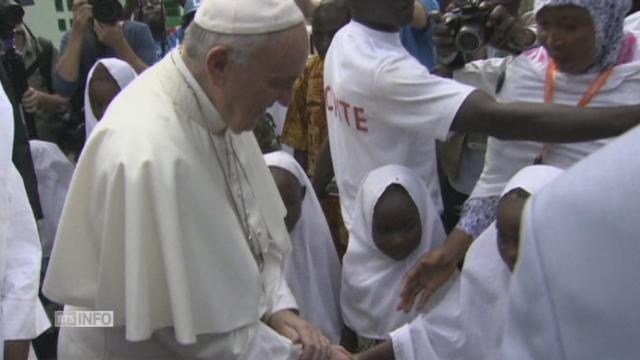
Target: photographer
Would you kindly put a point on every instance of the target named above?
(510, 33)
(14, 85)
(40, 58)
(153, 13)
(97, 32)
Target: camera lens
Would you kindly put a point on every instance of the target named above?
(470, 38)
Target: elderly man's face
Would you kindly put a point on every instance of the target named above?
(266, 77)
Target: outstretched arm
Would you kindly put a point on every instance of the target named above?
(551, 123)
(68, 67)
(382, 351)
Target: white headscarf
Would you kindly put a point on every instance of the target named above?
(371, 280)
(312, 269)
(121, 71)
(468, 323)
(575, 290)
(608, 18)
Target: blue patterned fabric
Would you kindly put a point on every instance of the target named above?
(478, 214)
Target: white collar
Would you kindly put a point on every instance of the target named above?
(210, 114)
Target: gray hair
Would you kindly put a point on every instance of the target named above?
(198, 41)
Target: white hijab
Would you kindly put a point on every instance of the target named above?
(468, 323)
(371, 280)
(575, 291)
(312, 269)
(121, 71)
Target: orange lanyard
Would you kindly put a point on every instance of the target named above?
(597, 84)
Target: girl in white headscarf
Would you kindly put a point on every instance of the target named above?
(395, 222)
(313, 268)
(106, 79)
(468, 323)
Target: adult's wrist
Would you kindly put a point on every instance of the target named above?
(457, 244)
(77, 34)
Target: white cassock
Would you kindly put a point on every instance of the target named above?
(468, 323)
(121, 72)
(54, 172)
(313, 269)
(22, 316)
(156, 229)
(371, 280)
(575, 290)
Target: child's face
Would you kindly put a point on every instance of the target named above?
(508, 225)
(292, 194)
(102, 89)
(396, 228)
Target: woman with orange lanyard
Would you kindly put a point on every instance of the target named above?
(585, 59)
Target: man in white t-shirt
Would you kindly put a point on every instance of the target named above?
(384, 107)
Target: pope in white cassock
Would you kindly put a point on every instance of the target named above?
(172, 220)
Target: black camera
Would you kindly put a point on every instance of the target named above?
(11, 14)
(106, 11)
(468, 22)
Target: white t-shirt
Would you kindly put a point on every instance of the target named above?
(383, 107)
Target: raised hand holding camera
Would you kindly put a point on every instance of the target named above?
(110, 35)
(508, 33)
(82, 16)
(472, 24)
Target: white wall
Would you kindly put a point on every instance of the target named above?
(42, 18)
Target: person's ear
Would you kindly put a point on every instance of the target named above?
(217, 64)
(303, 191)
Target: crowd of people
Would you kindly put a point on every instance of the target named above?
(332, 179)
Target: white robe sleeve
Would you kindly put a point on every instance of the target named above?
(23, 316)
(281, 297)
(256, 341)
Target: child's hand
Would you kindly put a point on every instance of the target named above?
(433, 270)
(426, 277)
